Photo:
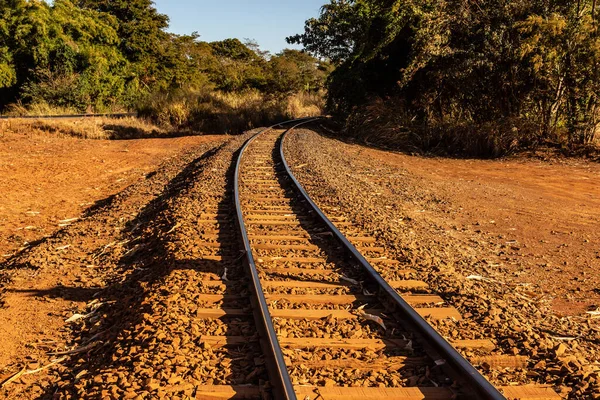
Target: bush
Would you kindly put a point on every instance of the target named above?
(220, 112)
(383, 123)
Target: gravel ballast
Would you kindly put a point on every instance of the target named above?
(415, 227)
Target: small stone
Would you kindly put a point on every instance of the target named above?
(152, 385)
(329, 382)
(33, 366)
(560, 350)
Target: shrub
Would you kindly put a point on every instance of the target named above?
(383, 123)
(232, 112)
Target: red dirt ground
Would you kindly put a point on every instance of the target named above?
(542, 216)
(45, 180)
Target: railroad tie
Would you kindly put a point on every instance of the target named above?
(304, 271)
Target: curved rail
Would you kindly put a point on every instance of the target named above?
(282, 386)
(484, 389)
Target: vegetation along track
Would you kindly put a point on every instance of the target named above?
(339, 319)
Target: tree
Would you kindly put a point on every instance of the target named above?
(61, 54)
(463, 61)
(239, 68)
(561, 48)
(8, 73)
(101, 54)
(293, 71)
(143, 39)
(338, 31)
(187, 61)
(255, 47)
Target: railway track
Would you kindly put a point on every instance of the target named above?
(332, 327)
(301, 313)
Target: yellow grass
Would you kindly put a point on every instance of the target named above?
(85, 128)
(45, 109)
(219, 112)
(173, 115)
(305, 105)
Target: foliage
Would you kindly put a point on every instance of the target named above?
(339, 30)
(100, 55)
(63, 54)
(238, 68)
(466, 62)
(226, 112)
(563, 50)
(295, 71)
(142, 36)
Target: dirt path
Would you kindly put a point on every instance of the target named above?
(46, 179)
(57, 276)
(542, 217)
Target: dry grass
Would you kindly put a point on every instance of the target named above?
(386, 124)
(45, 109)
(383, 124)
(86, 128)
(172, 114)
(41, 109)
(218, 112)
(302, 105)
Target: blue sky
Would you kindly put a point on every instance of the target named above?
(266, 21)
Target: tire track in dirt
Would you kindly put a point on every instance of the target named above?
(63, 274)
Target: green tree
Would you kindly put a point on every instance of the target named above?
(463, 61)
(239, 68)
(8, 73)
(294, 71)
(338, 31)
(96, 54)
(62, 55)
(563, 51)
(142, 37)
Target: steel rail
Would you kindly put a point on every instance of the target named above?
(483, 388)
(282, 385)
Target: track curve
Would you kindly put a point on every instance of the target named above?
(312, 283)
